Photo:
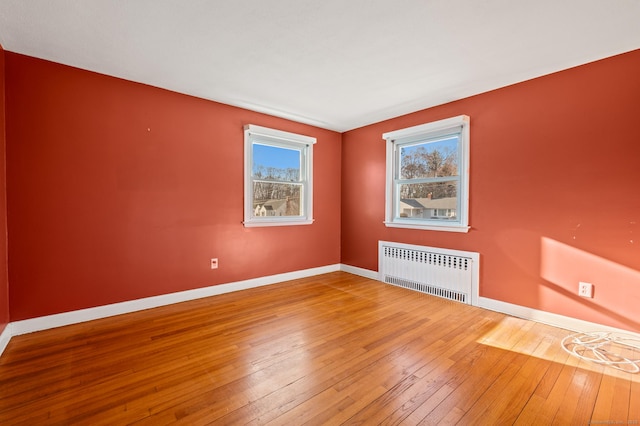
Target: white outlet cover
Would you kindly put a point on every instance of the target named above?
(585, 289)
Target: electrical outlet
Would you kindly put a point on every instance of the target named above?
(214, 263)
(585, 289)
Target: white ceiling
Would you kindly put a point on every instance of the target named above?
(336, 64)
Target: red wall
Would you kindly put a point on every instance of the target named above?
(4, 284)
(555, 169)
(119, 191)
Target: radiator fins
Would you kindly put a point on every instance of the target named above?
(427, 289)
(447, 275)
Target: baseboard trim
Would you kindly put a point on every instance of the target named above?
(74, 317)
(5, 337)
(367, 273)
(549, 318)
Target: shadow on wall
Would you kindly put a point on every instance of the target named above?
(616, 287)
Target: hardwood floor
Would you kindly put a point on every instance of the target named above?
(332, 349)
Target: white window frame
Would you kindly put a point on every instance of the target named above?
(398, 138)
(272, 137)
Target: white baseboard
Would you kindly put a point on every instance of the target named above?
(367, 273)
(5, 336)
(556, 320)
(58, 320)
(549, 318)
(66, 318)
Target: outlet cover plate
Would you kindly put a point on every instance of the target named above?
(585, 289)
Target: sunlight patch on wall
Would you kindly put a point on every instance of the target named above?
(616, 287)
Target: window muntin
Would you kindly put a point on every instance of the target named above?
(278, 177)
(427, 176)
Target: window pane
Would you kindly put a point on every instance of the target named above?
(278, 177)
(276, 199)
(276, 163)
(435, 158)
(436, 200)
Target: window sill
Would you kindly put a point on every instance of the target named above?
(262, 223)
(446, 228)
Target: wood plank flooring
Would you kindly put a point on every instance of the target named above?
(331, 349)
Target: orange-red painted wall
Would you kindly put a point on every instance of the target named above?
(4, 283)
(554, 198)
(118, 191)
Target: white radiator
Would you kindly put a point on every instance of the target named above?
(452, 274)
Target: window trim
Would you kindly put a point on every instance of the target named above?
(429, 130)
(284, 140)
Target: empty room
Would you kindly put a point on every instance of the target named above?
(305, 212)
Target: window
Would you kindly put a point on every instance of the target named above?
(278, 187)
(428, 176)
